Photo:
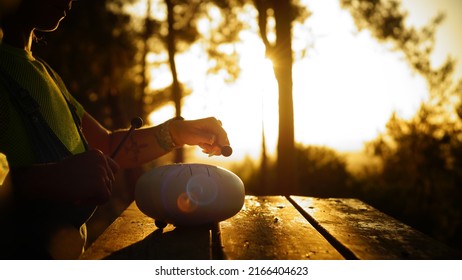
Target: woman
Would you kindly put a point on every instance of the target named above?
(59, 154)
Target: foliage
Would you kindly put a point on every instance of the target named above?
(320, 172)
(421, 173)
(386, 21)
(419, 179)
(186, 18)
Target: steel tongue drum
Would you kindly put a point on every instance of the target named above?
(189, 194)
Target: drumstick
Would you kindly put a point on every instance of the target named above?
(136, 122)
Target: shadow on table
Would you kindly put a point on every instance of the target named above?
(182, 243)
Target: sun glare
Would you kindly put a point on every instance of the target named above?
(240, 106)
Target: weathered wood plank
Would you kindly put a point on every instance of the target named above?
(367, 233)
(134, 236)
(271, 228)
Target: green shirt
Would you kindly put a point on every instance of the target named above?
(32, 75)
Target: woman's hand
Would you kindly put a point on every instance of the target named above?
(207, 133)
(90, 177)
(85, 178)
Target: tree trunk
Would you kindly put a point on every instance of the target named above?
(281, 54)
(282, 63)
(176, 89)
(263, 161)
(144, 79)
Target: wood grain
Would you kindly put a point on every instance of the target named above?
(367, 233)
(271, 228)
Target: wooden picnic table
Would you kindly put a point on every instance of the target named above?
(273, 227)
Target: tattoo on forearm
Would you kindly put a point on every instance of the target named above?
(134, 149)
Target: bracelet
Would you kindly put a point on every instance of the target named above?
(163, 136)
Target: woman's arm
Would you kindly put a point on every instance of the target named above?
(87, 178)
(139, 148)
(143, 145)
